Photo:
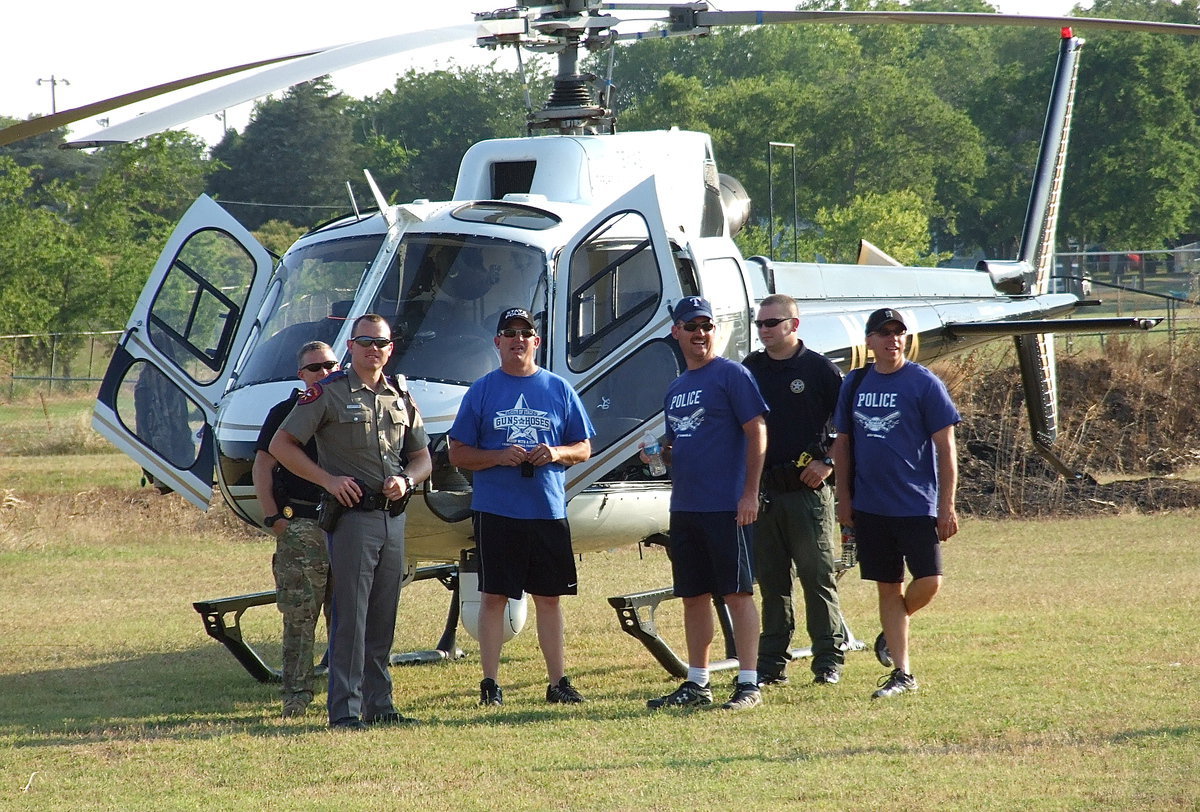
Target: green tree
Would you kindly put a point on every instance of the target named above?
(894, 221)
(293, 160)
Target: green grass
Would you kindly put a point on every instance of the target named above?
(50, 424)
(1058, 670)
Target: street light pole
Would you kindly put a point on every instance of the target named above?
(54, 82)
(771, 195)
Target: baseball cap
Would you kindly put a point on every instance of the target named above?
(514, 313)
(883, 316)
(690, 307)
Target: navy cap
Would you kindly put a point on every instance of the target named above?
(513, 313)
(690, 307)
(883, 316)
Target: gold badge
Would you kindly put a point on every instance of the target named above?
(288, 513)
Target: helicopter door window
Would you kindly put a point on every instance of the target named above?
(723, 283)
(160, 415)
(631, 393)
(614, 286)
(197, 309)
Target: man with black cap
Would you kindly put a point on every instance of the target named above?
(518, 429)
(716, 441)
(897, 473)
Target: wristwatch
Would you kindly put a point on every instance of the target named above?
(828, 461)
(269, 522)
(408, 483)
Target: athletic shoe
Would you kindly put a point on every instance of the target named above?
(745, 696)
(881, 652)
(490, 693)
(391, 718)
(894, 684)
(563, 693)
(688, 695)
(772, 678)
(827, 676)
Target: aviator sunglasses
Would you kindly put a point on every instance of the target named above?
(513, 332)
(319, 365)
(761, 323)
(371, 341)
(703, 326)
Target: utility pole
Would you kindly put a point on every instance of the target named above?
(54, 82)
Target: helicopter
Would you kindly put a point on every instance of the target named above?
(598, 233)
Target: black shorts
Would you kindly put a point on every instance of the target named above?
(524, 555)
(887, 543)
(710, 554)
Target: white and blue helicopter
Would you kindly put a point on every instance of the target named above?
(598, 234)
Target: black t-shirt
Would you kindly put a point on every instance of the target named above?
(802, 392)
(295, 487)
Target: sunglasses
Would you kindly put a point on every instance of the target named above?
(513, 332)
(761, 323)
(371, 341)
(319, 365)
(702, 326)
(899, 331)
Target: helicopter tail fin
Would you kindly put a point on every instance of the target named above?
(1035, 352)
(1041, 217)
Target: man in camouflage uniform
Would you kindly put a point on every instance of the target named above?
(373, 451)
(300, 563)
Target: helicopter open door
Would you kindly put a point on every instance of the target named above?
(158, 401)
(610, 326)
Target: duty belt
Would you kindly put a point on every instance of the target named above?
(297, 509)
(374, 501)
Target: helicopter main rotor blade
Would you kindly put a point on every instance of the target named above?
(43, 124)
(685, 18)
(251, 87)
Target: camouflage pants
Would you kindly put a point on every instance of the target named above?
(301, 568)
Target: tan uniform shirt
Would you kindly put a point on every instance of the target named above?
(359, 433)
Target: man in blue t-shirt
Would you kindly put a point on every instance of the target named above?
(716, 442)
(897, 474)
(518, 429)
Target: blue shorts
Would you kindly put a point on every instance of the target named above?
(887, 543)
(710, 554)
(524, 555)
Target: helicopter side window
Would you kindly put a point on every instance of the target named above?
(614, 287)
(197, 309)
(160, 415)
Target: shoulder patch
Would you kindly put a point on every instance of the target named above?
(309, 395)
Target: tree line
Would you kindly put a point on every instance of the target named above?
(921, 139)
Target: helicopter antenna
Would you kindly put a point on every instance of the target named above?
(353, 202)
(524, 82)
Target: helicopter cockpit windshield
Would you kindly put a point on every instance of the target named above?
(314, 287)
(443, 294)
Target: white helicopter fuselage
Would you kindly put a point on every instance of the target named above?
(597, 235)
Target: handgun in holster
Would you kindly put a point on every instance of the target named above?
(328, 512)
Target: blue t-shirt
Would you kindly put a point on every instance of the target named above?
(502, 410)
(705, 409)
(893, 419)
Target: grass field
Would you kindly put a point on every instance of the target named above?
(1058, 670)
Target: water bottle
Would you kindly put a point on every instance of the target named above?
(849, 548)
(654, 451)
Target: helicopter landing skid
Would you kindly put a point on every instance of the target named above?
(228, 631)
(635, 613)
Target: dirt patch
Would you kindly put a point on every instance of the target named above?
(1132, 414)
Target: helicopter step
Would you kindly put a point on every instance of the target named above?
(229, 631)
(636, 613)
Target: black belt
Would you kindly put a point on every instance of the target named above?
(374, 501)
(301, 510)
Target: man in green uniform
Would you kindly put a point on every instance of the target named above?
(300, 563)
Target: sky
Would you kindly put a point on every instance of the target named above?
(92, 53)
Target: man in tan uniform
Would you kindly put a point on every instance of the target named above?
(373, 451)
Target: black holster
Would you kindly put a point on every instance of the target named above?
(328, 512)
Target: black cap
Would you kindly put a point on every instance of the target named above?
(514, 313)
(883, 316)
